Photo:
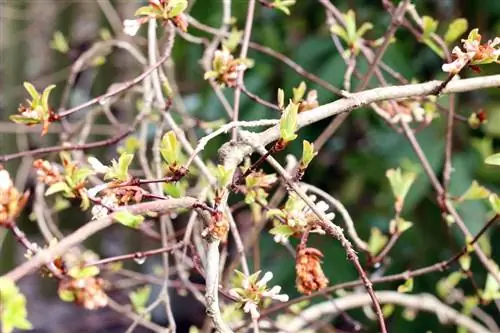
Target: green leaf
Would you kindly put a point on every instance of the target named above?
(456, 29)
(119, 170)
(308, 153)
(350, 23)
(288, 122)
(465, 262)
(281, 98)
(176, 7)
(234, 39)
(128, 219)
(491, 289)
(399, 225)
(365, 27)
(19, 119)
(299, 92)
(170, 148)
(339, 31)
(58, 187)
(13, 313)
(83, 272)
(377, 241)
(445, 285)
(282, 229)
(31, 90)
(66, 295)
(59, 43)
(146, 11)
(475, 192)
(45, 97)
(139, 298)
(495, 203)
(81, 175)
(429, 25)
(400, 184)
(493, 159)
(406, 287)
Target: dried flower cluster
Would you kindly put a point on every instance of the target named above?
(11, 200)
(310, 276)
(251, 292)
(474, 53)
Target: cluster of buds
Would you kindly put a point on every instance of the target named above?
(11, 200)
(226, 69)
(47, 172)
(310, 276)
(256, 185)
(37, 110)
(71, 184)
(218, 227)
(407, 111)
(81, 284)
(250, 292)
(296, 217)
(86, 291)
(162, 10)
(473, 54)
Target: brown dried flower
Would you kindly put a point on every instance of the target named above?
(310, 276)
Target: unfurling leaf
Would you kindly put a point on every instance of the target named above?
(399, 225)
(13, 313)
(400, 184)
(493, 159)
(281, 98)
(299, 92)
(139, 298)
(128, 219)
(377, 241)
(456, 29)
(495, 203)
(308, 153)
(170, 148)
(406, 287)
(491, 289)
(475, 192)
(288, 122)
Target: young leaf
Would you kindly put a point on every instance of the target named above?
(281, 98)
(58, 187)
(288, 122)
(429, 25)
(31, 90)
(299, 92)
(406, 287)
(13, 313)
(128, 219)
(139, 298)
(491, 289)
(169, 148)
(176, 7)
(308, 153)
(475, 192)
(399, 225)
(400, 184)
(377, 241)
(493, 159)
(495, 203)
(456, 29)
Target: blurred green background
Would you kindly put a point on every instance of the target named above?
(352, 164)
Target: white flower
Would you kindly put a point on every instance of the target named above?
(251, 307)
(274, 293)
(280, 239)
(5, 181)
(265, 279)
(461, 59)
(101, 211)
(97, 165)
(92, 192)
(130, 27)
